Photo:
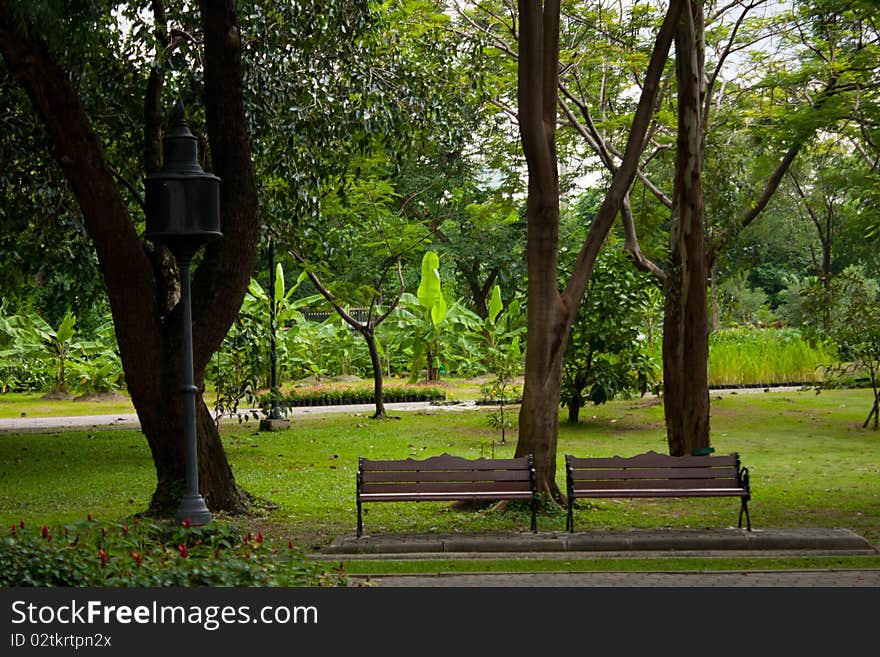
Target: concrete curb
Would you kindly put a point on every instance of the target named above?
(811, 540)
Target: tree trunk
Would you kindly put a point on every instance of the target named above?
(376, 361)
(685, 328)
(140, 284)
(576, 400)
(550, 313)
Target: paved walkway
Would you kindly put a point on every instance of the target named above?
(35, 424)
(741, 579)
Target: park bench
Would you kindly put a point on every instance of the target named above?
(445, 477)
(657, 475)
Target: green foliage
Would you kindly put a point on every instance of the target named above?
(145, 553)
(426, 328)
(502, 331)
(330, 395)
(608, 352)
(31, 350)
(741, 303)
(241, 366)
(855, 328)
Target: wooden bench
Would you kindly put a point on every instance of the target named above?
(445, 477)
(657, 475)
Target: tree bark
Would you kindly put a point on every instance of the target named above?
(685, 328)
(550, 313)
(137, 287)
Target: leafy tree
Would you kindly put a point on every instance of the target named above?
(551, 313)
(68, 70)
(239, 368)
(502, 329)
(855, 328)
(608, 353)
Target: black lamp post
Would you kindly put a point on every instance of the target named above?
(183, 212)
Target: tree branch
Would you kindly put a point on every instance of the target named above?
(624, 175)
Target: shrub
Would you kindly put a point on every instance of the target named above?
(150, 554)
(352, 394)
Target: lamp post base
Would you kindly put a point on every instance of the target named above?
(194, 509)
(274, 424)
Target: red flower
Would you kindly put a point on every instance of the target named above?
(187, 523)
(21, 524)
(89, 517)
(138, 559)
(259, 537)
(14, 531)
(45, 532)
(290, 544)
(183, 551)
(104, 558)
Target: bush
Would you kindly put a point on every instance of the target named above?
(149, 554)
(353, 394)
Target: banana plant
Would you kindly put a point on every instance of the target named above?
(427, 323)
(426, 350)
(37, 339)
(258, 303)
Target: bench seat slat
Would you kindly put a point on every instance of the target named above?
(445, 475)
(661, 492)
(725, 472)
(495, 487)
(444, 496)
(647, 484)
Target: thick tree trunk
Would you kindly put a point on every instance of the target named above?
(140, 284)
(685, 329)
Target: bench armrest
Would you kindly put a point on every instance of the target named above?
(744, 478)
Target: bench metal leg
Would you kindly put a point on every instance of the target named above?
(534, 516)
(744, 508)
(360, 529)
(569, 517)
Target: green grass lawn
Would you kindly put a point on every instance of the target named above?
(32, 404)
(811, 465)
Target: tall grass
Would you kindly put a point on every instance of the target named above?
(765, 356)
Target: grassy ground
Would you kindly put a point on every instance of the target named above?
(811, 465)
(32, 404)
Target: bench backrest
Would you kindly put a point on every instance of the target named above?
(446, 474)
(648, 470)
